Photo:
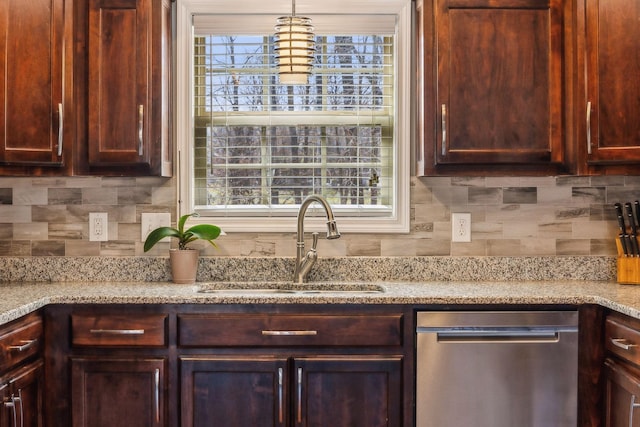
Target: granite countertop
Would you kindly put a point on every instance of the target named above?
(20, 298)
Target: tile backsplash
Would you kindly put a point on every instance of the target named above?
(511, 216)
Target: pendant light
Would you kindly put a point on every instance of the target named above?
(295, 46)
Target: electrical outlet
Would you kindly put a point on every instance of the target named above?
(151, 221)
(98, 227)
(460, 227)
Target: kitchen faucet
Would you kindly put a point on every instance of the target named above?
(305, 262)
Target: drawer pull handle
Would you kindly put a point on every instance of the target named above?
(622, 343)
(117, 331)
(289, 333)
(26, 345)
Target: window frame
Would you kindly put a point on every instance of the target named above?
(398, 221)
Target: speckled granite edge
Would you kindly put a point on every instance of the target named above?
(156, 269)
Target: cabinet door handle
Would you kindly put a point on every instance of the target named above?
(26, 345)
(280, 396)
(60, 128)
(444, 129)
(157, 395)
(299, 410)
(140, 129)
(11, 404)
(290, 333)
(622, 343)
(589, 127)
(117, 331)
(632, 405)
(19, 400)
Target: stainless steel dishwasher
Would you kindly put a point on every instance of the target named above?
(497, 369)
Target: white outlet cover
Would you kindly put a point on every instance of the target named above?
(461, 227)
(98, 227)
(151, 221)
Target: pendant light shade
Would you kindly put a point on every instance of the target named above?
(295, 46)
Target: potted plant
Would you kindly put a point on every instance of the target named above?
(183, 260)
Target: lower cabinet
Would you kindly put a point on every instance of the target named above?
(622, 395)
(622, 371)
(111, 392)
(21, 391)
(353, 391)
(22, 372)
(225, 365)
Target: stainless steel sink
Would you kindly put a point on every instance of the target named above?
(290, 288)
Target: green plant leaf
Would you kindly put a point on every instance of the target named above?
(158, 234)
(206, 232)
(183, 219)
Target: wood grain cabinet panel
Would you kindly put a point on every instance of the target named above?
(288, 330)
(493, 92)
(337, 391)
(610, 111)
(22, 372)
(109, 392)
(137, 330)
(33, 53)
(128, 88)
(22, 393)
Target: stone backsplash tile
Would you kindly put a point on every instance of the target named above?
(511, 216)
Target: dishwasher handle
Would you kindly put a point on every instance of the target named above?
(498, 336)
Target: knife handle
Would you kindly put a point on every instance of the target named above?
(633, 239)
(623, 228)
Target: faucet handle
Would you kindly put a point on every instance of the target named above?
(314, 236)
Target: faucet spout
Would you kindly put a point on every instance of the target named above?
(304, 262)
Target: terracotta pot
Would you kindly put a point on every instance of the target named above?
(184, 265)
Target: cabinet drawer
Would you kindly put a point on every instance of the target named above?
(623, 339)
(289, 330)
(20, 341)
(136, 330)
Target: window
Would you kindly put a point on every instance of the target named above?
(252, 149)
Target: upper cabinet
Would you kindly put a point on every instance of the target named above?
(85, 87)
(608, 116)
(125, 117)
(492, 92)
(35, 52)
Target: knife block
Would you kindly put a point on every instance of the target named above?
(628, 268)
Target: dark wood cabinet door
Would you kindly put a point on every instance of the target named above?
(26, 387)
(21, 394)
(6, 406)
(234, 391)
(119, 61)
(112, 392)
(31, 82)
(622, 395)
(613, 86)
(126, 128)
(347, 391)
(497, 94)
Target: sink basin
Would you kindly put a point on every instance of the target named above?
(290, 288)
